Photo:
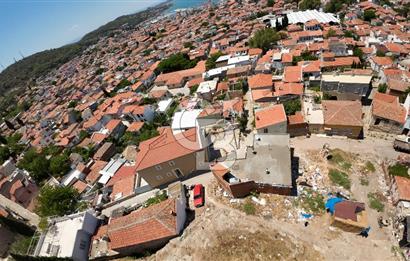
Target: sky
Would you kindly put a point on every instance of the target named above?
(30, 26)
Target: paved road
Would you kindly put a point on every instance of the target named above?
(381, 148)
(31, 217)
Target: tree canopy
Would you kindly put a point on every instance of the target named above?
(264, 39)
(176, 62)
(211, 61)
(309, 4)
(368, 15)
(57, 201)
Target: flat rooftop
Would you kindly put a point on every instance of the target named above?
(272, 154)
(343, 78)
(312, 112)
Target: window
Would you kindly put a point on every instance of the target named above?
(265, 130)
(159, 177)
(158, 167)
(178, 173)
(169, 174)
(171, 163)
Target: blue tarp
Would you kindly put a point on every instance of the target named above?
(331, 202)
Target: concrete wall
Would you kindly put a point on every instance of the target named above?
(181, 214)
(280, 128)
(298, 129)
(166, 173)
(348, 131)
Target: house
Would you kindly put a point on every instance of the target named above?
(260, 81)
(297, 125)
(68, 237)
(168, 157)
(145, 229)
(346, 86)
(271, 120)
(232, 108)
(16, 185)
(206, 90)
(266, 169)
(378, 64)
(144, 113)
(387, 114)
(343, 118)
(185, 119)
(115, 128)
(400, 188)
(105, 153)
(211, 115)
(350, 216)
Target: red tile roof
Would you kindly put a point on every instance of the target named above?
(270, 116)
(141, 226)
(388, 107)
(403, 187)
(166, 147)
(292, 74)
(343, 113)
(135, 126)
(260, 81)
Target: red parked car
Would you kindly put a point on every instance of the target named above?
(199, 195)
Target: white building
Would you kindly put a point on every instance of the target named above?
(68, 237)
(206, 89)
(184, 120)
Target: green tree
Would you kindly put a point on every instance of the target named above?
(57, 201)
(59, 165)
(211, 61)
(330, 33)
(176, 62)
(264, 39)
(358, 53)
(382, 88)
(4, 154)
(36, 164)
(292, 106)
(368, 15)
(309, 4)
(380, 53)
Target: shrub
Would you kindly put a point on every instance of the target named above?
(399, 170)
(249, 208)
(339, 178)
(375, 202)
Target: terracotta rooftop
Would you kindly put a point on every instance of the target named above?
(403, 187)
(270, 116)
(388, 107)
(344, 113)
(141, 226)
(166, 147)
(260, 81)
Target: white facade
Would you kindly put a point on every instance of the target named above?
(68, 237)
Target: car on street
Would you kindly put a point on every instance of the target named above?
(199, 195)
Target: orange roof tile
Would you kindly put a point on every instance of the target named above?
(343, 113)
(270, 116)
(260, 81)
(403, 187)
(166, 147)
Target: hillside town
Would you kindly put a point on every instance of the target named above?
(196, 133)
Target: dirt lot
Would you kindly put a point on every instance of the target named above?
(220, 233)
(271, 227)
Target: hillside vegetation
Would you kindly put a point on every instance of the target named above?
(23, 73)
